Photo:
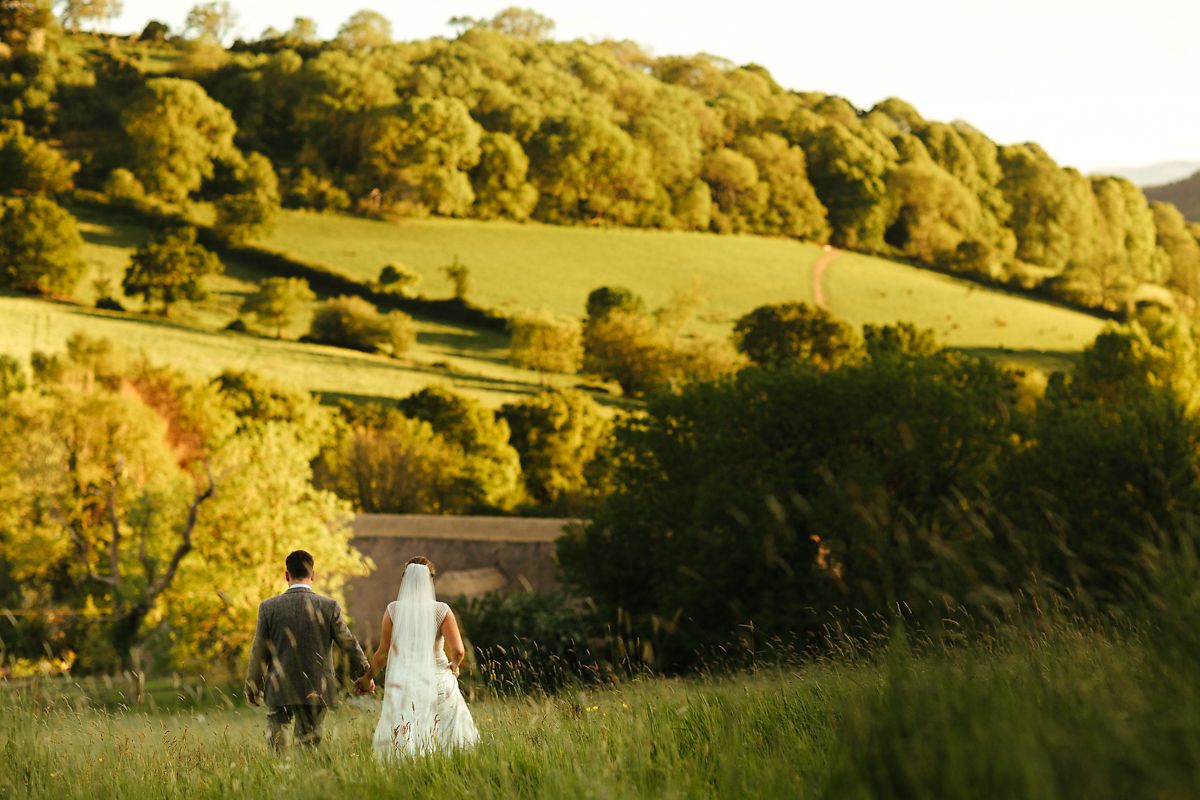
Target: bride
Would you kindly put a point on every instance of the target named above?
(423, 709)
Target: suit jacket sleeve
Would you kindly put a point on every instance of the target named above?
(346, 641)
(256, 671)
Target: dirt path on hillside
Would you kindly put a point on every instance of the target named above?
(818, 274)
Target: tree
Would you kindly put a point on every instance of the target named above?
(1179, 248)
(77, 12)
(631, 349)
(459, 275)
(177, 132)
(499, 179)
(250, 210)
(105, 499)
(24, 24)
(27, 165)
(762, 503)
(522, 23)
(169, 268)
(394, 465)
(776, 335)
(365, 30)
(613, 298)
(547, 343)
(903, 338)
(280, 303)
(492, 468)
(302, 32)
(421, 152)
(559, 437)
(214, 20)
(155, 31)
(40, 246)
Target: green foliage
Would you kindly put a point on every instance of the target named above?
(527, 642)
(499, 179)
(385, 462)
(307, 190)
(27, 165)
(177, 132)
(786, 333)
(212, 20)
(249, 211)
(631, 349)
(76, 12)
(363, 31)
(767, 501)
(547, 343)
(12, 377)
(459, 275)
(39, 246)
(353, 322)
(170, 268)
(608, 298)
(280, 303)
(903, 338)
(492, 469)
(559, 437)
(420, 155)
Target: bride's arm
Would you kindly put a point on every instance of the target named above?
(381, 652)
(454, 643)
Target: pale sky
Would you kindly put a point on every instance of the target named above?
(1098, 83)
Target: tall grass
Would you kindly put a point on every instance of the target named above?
(1039, 713)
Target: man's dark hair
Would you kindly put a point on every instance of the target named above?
(299, 564)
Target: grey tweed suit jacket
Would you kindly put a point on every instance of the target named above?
(291, 659)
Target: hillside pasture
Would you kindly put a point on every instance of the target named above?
(540, 266)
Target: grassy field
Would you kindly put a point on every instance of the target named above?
(471, 361)
(522, 266)
(540, 266)
(1063, 716)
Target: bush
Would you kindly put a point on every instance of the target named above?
(547, 343)
(40, 246)
(774, 335)
(307, 190)
(357, 324)
(528, 641)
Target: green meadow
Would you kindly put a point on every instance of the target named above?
(1064, 714)
(554, 267)
(513, 267)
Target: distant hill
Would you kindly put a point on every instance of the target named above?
(1155, 174)
(1184, 194)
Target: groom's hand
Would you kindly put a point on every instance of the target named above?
(251, 697)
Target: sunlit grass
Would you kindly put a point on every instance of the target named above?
(1060, 715)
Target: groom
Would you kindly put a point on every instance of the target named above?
(291, 658)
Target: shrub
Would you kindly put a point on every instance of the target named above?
(40, 246)
(774, 335)
(528, 641)
(547, 343)
(355, 323)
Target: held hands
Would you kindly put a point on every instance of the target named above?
(365, 685)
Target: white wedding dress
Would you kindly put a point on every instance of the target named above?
(423, 709)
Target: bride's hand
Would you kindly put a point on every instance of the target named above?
(454, 669)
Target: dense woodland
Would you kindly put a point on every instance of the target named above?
(503, 121)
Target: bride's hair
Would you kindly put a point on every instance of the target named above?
(426, 562)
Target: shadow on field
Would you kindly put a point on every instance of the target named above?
(1045, 360)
